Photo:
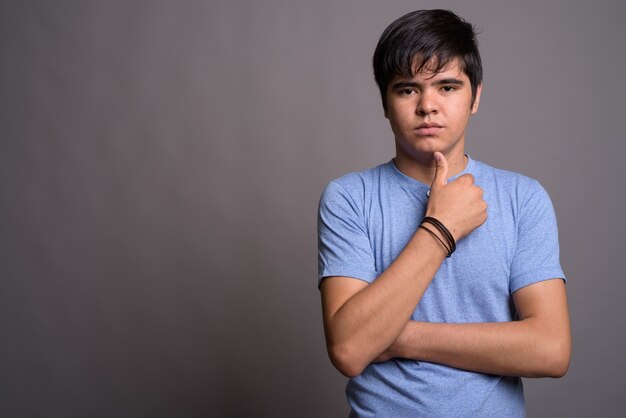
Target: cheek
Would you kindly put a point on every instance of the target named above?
(462, 112)
(396, 127)
(401, 116)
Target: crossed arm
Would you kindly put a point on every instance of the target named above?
(537, 345)
(366, 323)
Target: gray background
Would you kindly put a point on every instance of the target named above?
(160, 167)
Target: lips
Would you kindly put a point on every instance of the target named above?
(428, 129)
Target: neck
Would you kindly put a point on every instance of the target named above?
(423, 169)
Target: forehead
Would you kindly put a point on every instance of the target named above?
(429, 71)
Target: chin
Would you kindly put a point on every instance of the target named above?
(420, 148)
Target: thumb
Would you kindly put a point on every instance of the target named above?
(441, 170)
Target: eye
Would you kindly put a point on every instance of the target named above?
(448, 89)
(407, 91)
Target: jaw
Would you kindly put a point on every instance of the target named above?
(421, 149)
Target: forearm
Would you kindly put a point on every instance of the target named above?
(370, 320)
(537, 345)
(518, 348)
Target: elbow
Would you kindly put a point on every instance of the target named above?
(557, 359)
(555, 370)
(346, 360)
(560, 372)
(559, 365)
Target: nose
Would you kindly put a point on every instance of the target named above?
(426, 104)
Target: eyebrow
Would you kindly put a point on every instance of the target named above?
(444, 81)
(404, 84)
(454, 81)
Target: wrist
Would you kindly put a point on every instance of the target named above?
(450, 225)
(440, 232)
(406, 345)
(423, 238)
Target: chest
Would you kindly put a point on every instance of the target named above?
(471, 285)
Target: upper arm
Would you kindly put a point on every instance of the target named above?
(336, 291)
(537, 280)
(536, 255)
(344, 247)
(543, 305)
(546, 298)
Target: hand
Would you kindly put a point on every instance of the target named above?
(459, 205)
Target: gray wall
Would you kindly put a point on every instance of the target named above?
(160, 167)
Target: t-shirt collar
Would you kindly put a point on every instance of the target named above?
(412, 184)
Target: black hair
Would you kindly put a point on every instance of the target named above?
(434, 37)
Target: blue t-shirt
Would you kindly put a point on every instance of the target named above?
(365, 221)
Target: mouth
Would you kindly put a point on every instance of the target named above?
(428, 129)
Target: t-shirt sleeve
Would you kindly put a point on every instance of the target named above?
(536, 255)
(343, 244)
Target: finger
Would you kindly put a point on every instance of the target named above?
(441, 170)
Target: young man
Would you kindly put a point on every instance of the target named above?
(440, 276)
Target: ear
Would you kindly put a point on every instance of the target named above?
(479, 90)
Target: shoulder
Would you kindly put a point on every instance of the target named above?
(523, 194)
(506, 181)
(355, 186)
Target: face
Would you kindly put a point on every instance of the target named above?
(430, 112)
